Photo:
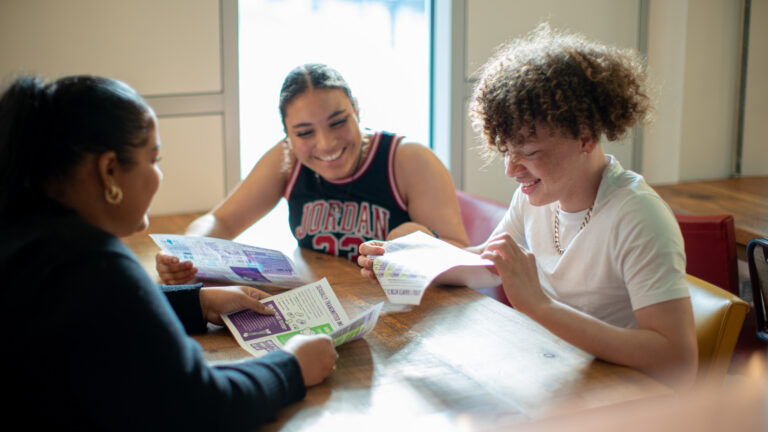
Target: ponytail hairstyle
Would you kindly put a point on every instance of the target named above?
(311, 76)
(46, 130)
(302, 79)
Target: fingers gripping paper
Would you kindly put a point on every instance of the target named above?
(310, 309)
(411, 263)
(227, 261)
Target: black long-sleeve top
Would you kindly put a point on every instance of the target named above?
(92, 343)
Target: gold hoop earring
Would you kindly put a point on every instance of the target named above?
(365, 143)
(287, 155)
(113, 194)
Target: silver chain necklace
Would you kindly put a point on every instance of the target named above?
(557, 227)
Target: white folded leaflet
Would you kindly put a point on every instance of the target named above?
(411, 263)
(229, 262)
(310, 309)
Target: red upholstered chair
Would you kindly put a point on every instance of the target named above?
(710, 249)
(480, 216)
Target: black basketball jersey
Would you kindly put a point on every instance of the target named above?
(335, 217)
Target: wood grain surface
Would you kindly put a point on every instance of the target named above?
(458, 361)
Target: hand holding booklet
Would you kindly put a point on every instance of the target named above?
(310, 309)
(226, 261)
(412, 262)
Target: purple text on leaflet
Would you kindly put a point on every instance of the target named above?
(251, 325)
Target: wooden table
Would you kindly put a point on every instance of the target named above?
(458, 358)
(458, 361)
(746, 198)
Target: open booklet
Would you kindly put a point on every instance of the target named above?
(411, 263)
(310, 309)
(230, 262)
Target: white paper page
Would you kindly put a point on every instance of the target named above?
(310, 309)
(410, 263)
(360, 326)
(230, 262)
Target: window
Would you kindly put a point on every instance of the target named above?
(381, 47)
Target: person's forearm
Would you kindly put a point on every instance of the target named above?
(209, 226)
(411, 227)
(457, 243)
(446, 237)
(185, 301)
(645, 350)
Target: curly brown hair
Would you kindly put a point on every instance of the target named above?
(562, 81)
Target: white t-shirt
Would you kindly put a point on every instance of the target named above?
(630, 255)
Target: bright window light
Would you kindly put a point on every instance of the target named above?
(381, 47)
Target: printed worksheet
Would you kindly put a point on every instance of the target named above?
(230, 262)
(310, 309)
(411, 263)
(358, 327)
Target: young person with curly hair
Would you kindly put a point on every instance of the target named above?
(587, 249)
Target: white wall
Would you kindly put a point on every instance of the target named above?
(169, 51)
(710, 92)
(755, 145)
(193, 165)
(666, 69)
(693, 52)
(159, 47)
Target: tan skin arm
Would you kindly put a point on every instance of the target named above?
(664, 344)
(429, 193)
(251, 200)
(428, 190)
(478, 249)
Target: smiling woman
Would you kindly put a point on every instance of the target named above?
(344, 185)
(321, 125)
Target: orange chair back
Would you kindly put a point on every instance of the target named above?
(719, 316)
